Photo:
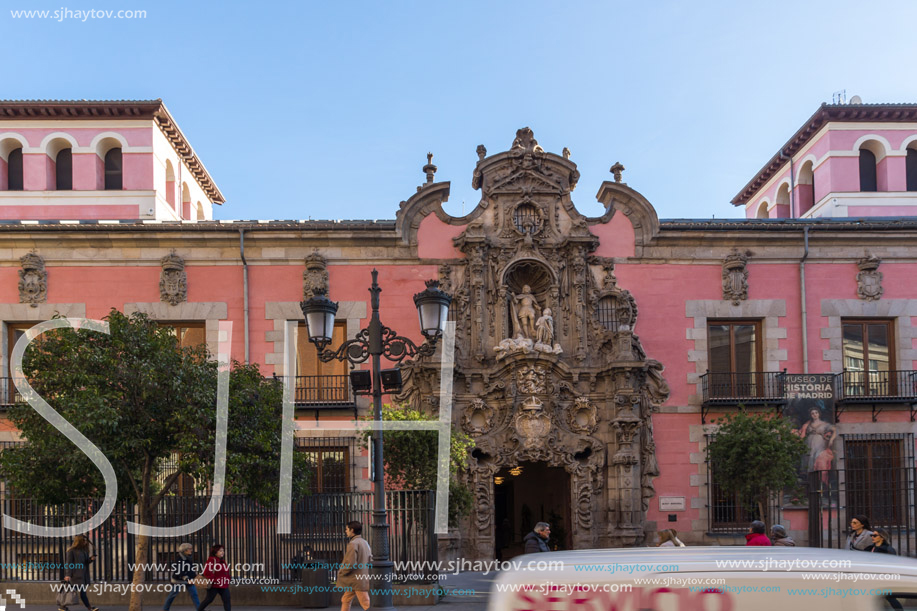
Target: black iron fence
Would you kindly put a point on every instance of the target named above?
(882, 385)
(8, 393)
(875, 479)
(745, 387)
(322, 390)
(247, 530)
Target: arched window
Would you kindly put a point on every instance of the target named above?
(200, 211)
(170, 184)
(762, 211)
(868, 181)
(14, 180)
(113, 170)
(806, 188)
(912, 169)
(63, 167)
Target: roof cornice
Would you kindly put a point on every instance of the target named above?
(854, 113)
(153, 110)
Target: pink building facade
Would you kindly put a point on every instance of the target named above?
(593, 354)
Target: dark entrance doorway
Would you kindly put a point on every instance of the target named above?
(525, 495)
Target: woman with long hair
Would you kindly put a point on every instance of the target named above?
(76, 568)
(860, 536)
(217, 571)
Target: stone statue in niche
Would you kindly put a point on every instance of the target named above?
(544, 334)
(526, 311)
(33, 280)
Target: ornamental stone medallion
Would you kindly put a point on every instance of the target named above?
(869, 278)
(548, 371)
(33, 280)
(735, 277)
(315, 277)
(173, 284)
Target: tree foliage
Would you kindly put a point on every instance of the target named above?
(754, 455)
(411, 459)
(143, 400)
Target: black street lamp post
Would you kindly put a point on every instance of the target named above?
(376, 341)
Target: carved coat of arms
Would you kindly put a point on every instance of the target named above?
(33, 280)
(869, 279)
(315, 278)
(173, 284)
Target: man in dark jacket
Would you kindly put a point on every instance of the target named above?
(537, 540)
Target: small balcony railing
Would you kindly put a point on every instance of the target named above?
(742, 388)
(322, 390)
(8, 393)
(877, 386)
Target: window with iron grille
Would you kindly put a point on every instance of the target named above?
(876, 470)
(525, 218)
(329, 461)
(608, 312)
(728, 512)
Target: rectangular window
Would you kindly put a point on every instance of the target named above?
(329, 468)
(869, 357)
(318, 382)
(728, 513)
(876, 478)
(8, 392)
(735, 355)
(189, 334)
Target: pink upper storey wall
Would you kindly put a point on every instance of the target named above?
(839, 174)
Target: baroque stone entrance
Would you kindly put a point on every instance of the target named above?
(548, 368)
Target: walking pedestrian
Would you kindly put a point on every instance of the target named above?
(781, 538)
(860, 536)
(669, 538)
(880, 544)
(76, 568)
(756, 535)
(182, 576)
(353, 575)
(537, 540)
(217, 571)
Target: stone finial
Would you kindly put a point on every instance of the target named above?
(33, 280)
(315, 276)
(869, 278)
(735, 277)
(173, 282)
(429, 169)
(525, 142)
(566, 153)
(617, 169)
(482, 152)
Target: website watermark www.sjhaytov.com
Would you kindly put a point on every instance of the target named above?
(66, 14)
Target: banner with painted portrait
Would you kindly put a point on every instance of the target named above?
(810, 406)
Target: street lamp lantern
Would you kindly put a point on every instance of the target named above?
(371, 344)
(432, 309)
(319, 313)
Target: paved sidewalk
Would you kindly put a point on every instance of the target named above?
(478, 582)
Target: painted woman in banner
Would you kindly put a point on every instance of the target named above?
(819, 436)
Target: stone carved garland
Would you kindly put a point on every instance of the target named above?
(735, 277)
(315, 277)
(869, 279)
(33, 280)
(173, 282)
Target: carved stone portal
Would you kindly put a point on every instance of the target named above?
(869, 279)
(735, 277)
(173, 282)
(33, 280)
(544, 343)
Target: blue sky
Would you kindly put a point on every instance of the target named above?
(327, 109)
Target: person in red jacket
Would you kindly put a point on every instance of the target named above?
(217, 571)
(756, 534)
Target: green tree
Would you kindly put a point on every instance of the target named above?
(754, 456)
(142, 399)
(411, 459)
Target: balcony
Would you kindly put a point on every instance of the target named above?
(877, 388)
(747, 388)
(8, 394)
(323, 392)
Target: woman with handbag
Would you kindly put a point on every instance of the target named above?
(217, 571)
(182, 576)
(76, 570)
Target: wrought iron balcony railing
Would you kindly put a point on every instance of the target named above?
(329, 390)
(877, 386)
(8, 393)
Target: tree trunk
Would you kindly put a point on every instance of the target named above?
(140, 560)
